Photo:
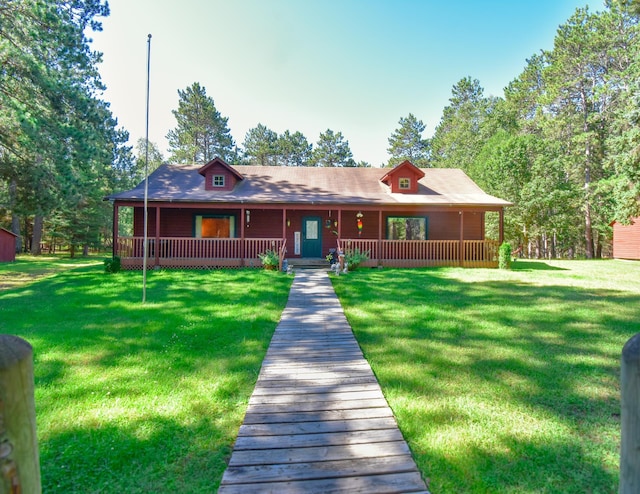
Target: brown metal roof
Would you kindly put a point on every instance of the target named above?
(305, 185)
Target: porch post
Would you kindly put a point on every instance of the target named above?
(284, 222)
(461, 246)
(339, 224)
(157, 260)
(116, 221)
(242, 240)
(379, 236)
(501, 234)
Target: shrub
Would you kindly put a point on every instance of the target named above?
(354, 257)
(112, 265)
(270, 259)
(504, 256)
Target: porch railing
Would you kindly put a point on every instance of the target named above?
(195, 252)
(235, 252)
(415, 253)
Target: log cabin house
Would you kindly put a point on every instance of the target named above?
(217, 215)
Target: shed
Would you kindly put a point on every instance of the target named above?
(7, 245)
(626, 240)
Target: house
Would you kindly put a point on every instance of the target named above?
(217, 215)
(7, 245)
(626, 240)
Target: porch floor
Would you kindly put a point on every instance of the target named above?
(317, 421)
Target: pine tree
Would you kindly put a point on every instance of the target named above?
(201, 133)
(332, 150)
(407, 143)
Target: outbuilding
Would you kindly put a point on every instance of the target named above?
(626, 240)
(7, 245)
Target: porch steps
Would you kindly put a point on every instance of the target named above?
(309, 263)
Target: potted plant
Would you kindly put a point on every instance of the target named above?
(270, 259)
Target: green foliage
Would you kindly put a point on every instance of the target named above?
(294, 149)
(407, 143)
(201, 133)
(60, 151)
(270, 258)
(112, 265)
(260, 145)
(142, 397)
(457, 139)
(354, 257)
(562, 145)
(501, 380)
(332, 150)
(504, 256)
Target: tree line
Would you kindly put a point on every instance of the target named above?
(562, 143)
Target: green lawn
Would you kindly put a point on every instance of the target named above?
(140, 398)
(502, 381)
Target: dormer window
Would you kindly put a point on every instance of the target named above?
(404, 183)
(217, 180)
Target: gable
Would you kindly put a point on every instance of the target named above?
(403, 179)
(220, 176)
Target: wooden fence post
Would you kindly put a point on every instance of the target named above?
(19, 461)
(630, 417)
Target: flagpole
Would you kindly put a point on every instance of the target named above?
(146, 182)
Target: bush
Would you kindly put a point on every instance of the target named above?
(112, 265)
(270, 259)
(504, 256)
(354, 257)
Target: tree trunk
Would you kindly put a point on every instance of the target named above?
(38, 221)
(15, 228)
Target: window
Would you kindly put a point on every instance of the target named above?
(404, 183)
(218, 180)
(222, 226)
(406, 228)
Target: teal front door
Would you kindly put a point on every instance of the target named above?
(311, 237)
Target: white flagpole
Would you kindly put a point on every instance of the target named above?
(146, 183)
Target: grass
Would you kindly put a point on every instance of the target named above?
(27, 268)
(502, 381)
(140, 398)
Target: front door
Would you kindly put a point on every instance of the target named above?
(311, 237)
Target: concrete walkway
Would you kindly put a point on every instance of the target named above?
(317, 421)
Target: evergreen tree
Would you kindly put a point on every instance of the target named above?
(407, 143)
(294, 149)
(201, 133)
(57, 139)
(457, 139)
(332, 150)
(260, 146)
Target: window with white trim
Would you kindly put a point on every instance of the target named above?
(404, 183)
(217, 180)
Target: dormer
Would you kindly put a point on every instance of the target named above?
(403, 179)
(220, 176)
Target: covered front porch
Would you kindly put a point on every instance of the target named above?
(206, 236)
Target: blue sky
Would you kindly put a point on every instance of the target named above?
(354, 66)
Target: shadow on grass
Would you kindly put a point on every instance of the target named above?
(150, 455)
(549, 353)
(134, 397)
(523, 265)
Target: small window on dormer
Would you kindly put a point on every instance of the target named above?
(218, 180)
(404, 183)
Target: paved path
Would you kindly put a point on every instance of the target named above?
(317, 421)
